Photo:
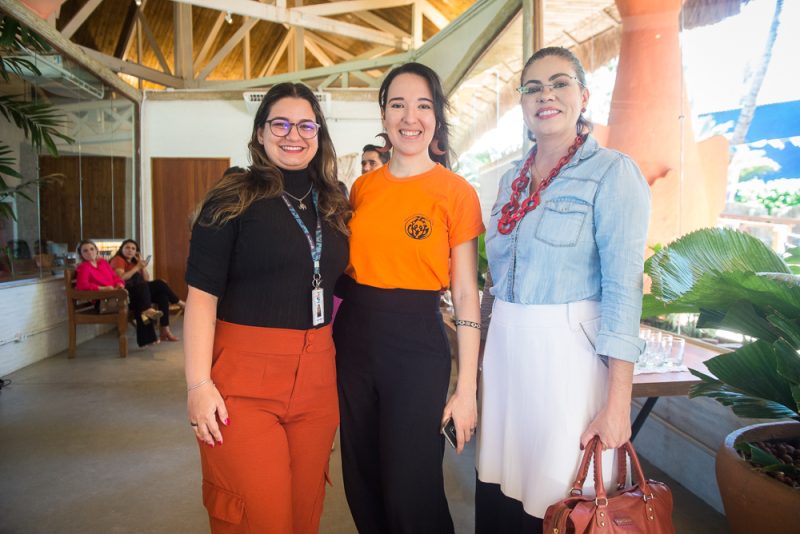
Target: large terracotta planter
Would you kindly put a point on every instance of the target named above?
(755, 502)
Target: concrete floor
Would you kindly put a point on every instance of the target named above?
(100, 444)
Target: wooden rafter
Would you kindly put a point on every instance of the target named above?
(212, 36)
(416, 24)
(272, 63)
(79, 18)
(182, 22)
(381, 24)
(134, 69)
(320, 72)
(246, 56)
(128, 28)
(434, 15)
(351, 6)
(137, 31)
(295, 17)
(327, 45)
(226, 49)
(148, 34)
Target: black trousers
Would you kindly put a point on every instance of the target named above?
(496, 513)
(393, 372)
(142, 295)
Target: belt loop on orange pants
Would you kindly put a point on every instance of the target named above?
(279, 387)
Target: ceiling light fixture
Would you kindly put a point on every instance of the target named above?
(228, 18)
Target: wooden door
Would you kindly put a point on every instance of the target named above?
(179, 185)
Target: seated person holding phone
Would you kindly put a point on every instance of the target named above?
(144, 293)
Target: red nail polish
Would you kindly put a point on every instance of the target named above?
(227, 421)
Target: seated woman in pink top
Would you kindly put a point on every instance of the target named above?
(95, 274)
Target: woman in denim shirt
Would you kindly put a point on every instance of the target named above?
(566, 254)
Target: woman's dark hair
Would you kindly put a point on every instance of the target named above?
(439, 150)
(119, 250)
(583, 125)
(239, 188)
(80, 246)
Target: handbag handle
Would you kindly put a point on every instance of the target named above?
(594, 449)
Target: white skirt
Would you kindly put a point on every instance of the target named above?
(542, 385)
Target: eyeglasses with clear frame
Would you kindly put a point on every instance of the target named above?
(561, 84)
(282, 127)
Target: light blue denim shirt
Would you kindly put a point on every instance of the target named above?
(585, 241)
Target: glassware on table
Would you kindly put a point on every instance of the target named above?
(675, 356)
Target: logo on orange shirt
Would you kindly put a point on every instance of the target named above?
(418, 227)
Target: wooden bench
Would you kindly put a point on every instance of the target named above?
(81, 310)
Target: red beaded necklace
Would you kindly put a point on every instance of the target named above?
(513, 211)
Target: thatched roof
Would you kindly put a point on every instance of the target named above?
(696, 13)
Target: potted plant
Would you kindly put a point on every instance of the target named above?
(40, 122)
(738, 284)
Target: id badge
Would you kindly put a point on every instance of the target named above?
(317, 306)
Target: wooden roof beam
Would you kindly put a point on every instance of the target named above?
(317, 51)
(226, 49)
(135, 31)
(350, 6)
(381, 24)
(295, 17)
(128, 28)
(329, 46)
(434, 15)
(416, 24)
(30, 19)
(182, 47)
(272, 63)
(212, 36)
(134, 69)
(79, 18)
(319, 72)
(148, 33)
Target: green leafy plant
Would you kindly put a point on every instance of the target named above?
(39, 121)
(738, 284)
(483, 261)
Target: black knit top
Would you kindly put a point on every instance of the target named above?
(259, 264)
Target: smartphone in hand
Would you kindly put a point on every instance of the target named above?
(449, 432)
(147, 259)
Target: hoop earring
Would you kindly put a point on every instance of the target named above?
(387, 144)
(435, 148)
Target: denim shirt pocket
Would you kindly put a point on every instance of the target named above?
(562, 221)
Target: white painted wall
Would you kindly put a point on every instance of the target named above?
(33, 323)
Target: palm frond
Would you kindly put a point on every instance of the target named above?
(39, 122)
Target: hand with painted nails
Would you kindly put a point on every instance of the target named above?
(206, 410)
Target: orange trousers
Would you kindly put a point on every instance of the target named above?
(279, 386)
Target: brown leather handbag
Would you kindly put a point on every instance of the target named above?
(644, 507)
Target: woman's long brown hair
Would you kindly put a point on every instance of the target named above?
(238, 188)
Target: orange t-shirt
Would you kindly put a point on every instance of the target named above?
(402, 229)
(118, 262)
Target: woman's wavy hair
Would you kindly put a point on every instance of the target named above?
(119, 250)
(439, 149)
(583, 125)
(80, 245)
(239, 188)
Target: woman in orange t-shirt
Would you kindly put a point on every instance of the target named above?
(413, 233)
(145, 293)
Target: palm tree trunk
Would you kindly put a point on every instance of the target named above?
(749, 100)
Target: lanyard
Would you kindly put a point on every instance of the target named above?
(314, 245)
